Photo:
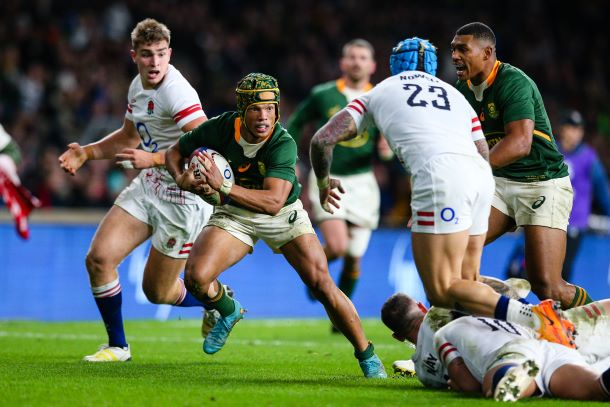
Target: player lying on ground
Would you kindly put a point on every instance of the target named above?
(436, 363)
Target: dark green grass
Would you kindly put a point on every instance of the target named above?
(265, 363)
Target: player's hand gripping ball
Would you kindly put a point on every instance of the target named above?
(210, 195)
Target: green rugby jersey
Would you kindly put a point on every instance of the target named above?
(276, 158)
(511, 95)
(349, 157)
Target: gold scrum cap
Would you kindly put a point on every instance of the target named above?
(257, 88)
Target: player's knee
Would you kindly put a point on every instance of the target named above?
(197, 279)
(441, 296)
(156, 296)
(96, 263)
(335, 249)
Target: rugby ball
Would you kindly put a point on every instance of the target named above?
(210, 195)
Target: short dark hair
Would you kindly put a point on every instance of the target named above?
(399, 313)
(478, 30)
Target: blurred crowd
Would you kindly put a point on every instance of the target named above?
(65, 66)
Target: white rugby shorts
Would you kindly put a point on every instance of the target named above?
(452, 193)
(543, 203)
(291, 222)
(358, 205)
(174, 226)
(548, 357)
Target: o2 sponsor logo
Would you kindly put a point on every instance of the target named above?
(448, 215)
(147, 140)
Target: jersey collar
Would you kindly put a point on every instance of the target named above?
(237, 131)
(341, 85)
(490, 79)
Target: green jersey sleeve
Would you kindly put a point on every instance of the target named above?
(282, 160)
(517, 99)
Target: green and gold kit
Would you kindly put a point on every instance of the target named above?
(510, 95)
(276, 158)
(349, 157)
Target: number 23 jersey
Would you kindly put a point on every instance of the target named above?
(420, 116)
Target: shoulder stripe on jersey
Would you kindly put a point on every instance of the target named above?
(445, 349)
(353, 107)
(476, 128)
(475, 119)
(185, 112)
(360, 104)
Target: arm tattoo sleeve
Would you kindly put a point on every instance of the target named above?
(482, 148)
(339, 128)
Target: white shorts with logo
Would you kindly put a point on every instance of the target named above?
(548, 356)
(543, 203)
(174, 226)
(452, 193)
(291, 222)
(359, 204)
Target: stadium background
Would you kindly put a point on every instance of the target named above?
(65, 70)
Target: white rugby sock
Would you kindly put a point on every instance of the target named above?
(522, 314)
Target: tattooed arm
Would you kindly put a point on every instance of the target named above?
(482, 148)
(339, 128)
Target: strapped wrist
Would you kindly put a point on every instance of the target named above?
(225, 187)
(158, 158)
(90, 152)
(323, 183)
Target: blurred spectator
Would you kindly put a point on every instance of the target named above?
(589, 181)
(64, 65)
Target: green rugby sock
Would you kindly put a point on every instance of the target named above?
(581, 297)
(222, 302)
(349, 276)
(365, 354)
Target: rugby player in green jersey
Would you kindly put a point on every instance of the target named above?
(533, 189)
(263, 205)
(348, 230)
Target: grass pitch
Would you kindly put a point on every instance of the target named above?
(265, 363)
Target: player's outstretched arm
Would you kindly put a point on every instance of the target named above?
(139, 159)
(76, 155)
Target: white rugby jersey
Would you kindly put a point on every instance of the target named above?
(420, 116)
(429, 369)
(476, 340)
(158, 115)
